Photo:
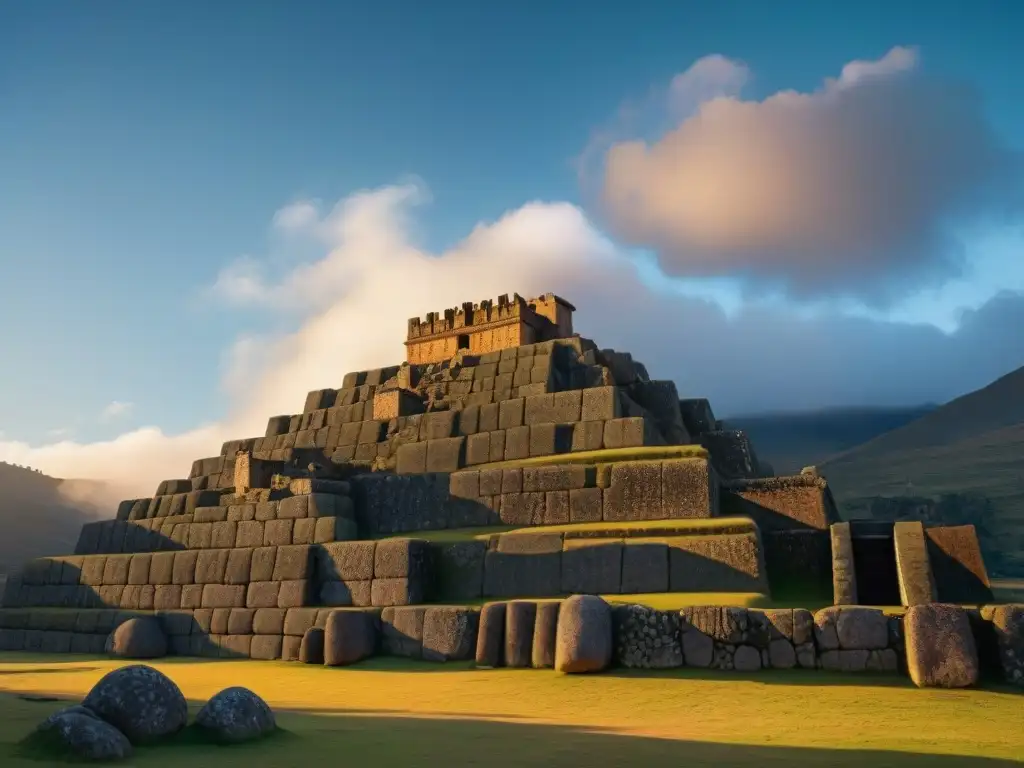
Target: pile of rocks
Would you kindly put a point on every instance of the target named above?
(139, 705)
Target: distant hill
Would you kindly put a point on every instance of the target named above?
(792, 441)
(34, 518)
(972, 447)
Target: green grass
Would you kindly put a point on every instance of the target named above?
(696, 526)
(605, 456)
(389, 712)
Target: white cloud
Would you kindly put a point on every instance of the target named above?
(371, 279)
(115, 410)
(854, 189)
(297, 216)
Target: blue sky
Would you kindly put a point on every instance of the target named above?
(145, 146)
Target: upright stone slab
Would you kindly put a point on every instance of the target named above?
(844, 576)
(917, 587)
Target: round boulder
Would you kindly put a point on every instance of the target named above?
(141, 702)
(138, 638)
(746, 659)
(235, 715)
(583, 640)
(79, 732)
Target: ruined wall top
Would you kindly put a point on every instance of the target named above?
(539, 312)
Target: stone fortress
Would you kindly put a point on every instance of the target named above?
(510, 462)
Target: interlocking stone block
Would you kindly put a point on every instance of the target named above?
(238, 568)
(223, 596)
(402, 631)
(689, 489)
(392, 592)
(634, 492)
(478, 449)
(346, 593)
(293, 562)
(586, 505)
(600, 404)
(262, 594)
(522, 508)
(211, 565)
(328, 529)
(517, 443)
(401, 558)
(262, 561)
(411, 458)
(592, 567)
(644, 567)
(459, 570)
(446, 455)
(349, 561)
(449, 633)
(277, 533)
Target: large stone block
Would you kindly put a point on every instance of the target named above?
(722, 563)
(211, 565)
(261, 565)
(402, 631)
(262, 594)
(490, 644)
(349, 636)
(346, 560)
(689, 489)
(293, 562)
(517, 443)
(346, 593)
(634, 492)
(844, 577)
(584, 635)
(508, 574)
(522, 508)
(459, 570)
(392, 592)
(401, 558)
(411, 458)
(645, 567)
(447, 455)
(917, 586)
(449, 633)
(224, 596)
(520, 618)
(592, 566)
(941, 651)
(550, 439)
(600, 404)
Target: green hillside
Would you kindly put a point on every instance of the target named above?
(792, 441)
(966, 457)
(36, 520)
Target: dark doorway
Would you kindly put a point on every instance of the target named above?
(874, 561)
(463, 341)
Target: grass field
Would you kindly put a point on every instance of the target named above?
(392, 713)
(680, 527)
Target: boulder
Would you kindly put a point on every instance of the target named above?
(490, 640)
(450, 633)
(545, 631)
(311, 649)
(235, 715)
(746, 659)
(941, 652)
(79, 732)
(349, 636)
(698, 649)
(139, 638)
(862, 629)
(520, 617)
(781, 654)
(583, 641)
(141, 702)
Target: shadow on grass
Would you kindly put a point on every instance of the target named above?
(350, 738)
(45, 670)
